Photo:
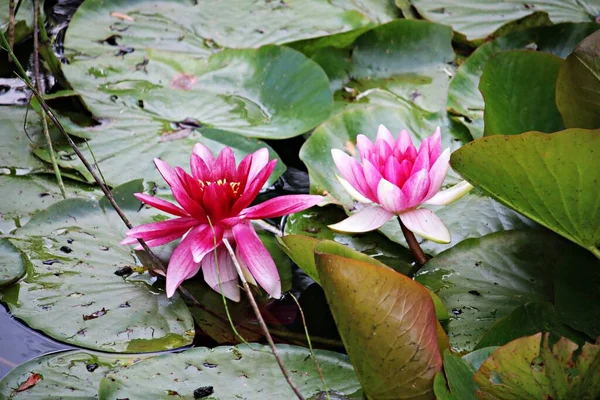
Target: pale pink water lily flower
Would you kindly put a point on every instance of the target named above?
(214, 203)
(394, 178)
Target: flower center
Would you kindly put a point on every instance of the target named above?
(235, 186)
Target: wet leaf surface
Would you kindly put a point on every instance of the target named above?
(232, 372)
(12, 263)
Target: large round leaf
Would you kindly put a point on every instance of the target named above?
(202, 27)
(60, 376)
(552, 179)
(409, 58)
(12, 263)
(518, 88)
(477, 19)
(483, 280)
(77, 288)
(35, 192)
(578, 85)
(229, 373)
(464, 97)
(388, 325)
(472, 216)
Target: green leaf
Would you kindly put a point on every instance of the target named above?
(71, 291)
(474, 215)
(551, 179)
(387, 323)
(527, 368)
(313, 222)
(12, 263)
(477, 357)
(518, 88)
(458, 378)
(231, 372)
(477, 22)
(205, 27)
(409, 58)
(65, 375)
(529, 319)
(35, 192)
(464, 97)
(578, 85)
(483, 280)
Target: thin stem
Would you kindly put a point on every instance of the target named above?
(260, 319)
(265, 226)
(312, 353)
(38, 85)
(11, 29)
(414, 247)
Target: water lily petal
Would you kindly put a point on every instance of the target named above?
(384, 134)
(404, 142)
(435, 145)
(437, 173)
(205, 154)
(282, 205)
(390, 196)
(365, 146)
(204, 239)
(366, 219)
(225, 168)
(361, 183)
(199, 168)
(161, 204)
(372, 175)
(450, 195)
(181, 265)
(257, 259)
(245, 271)
(224, 270)
(168, 173)
(253, 187)
(154, 230)
(260, 159)
(416, 187)
(188, 204)
(425, 223)
(343, 164)
(422, 160)
(355, 194)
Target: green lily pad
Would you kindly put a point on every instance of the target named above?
(64, 375)
(313, 223)
(529, 319)
(387, 323)
(80, 288)
(472, 216)
(34, 192)
(204, 27)
(551, 179)
(483, 280)
(528, 368)
(409, 58)
(519, 89)
(12, 263)
(456, 382)
(464, 97)
(477, 357)
(231, 372)
(578, 85)
(477, 21)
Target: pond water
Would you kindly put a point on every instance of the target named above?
(19, 343)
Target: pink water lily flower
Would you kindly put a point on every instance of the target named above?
(214, 204)
(394, 178)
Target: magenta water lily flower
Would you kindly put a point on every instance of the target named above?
(394, 178)
(214, 204)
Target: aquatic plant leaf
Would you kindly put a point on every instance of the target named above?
(578, 85)
(12, 263)
(456, 382)
(387, 323)
(231, 372)
(83, 288)
(477, 21)
(465, 99)
(518, 88)
(552, 179)
(529, 368)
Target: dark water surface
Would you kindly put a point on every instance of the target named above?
(18, 343)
